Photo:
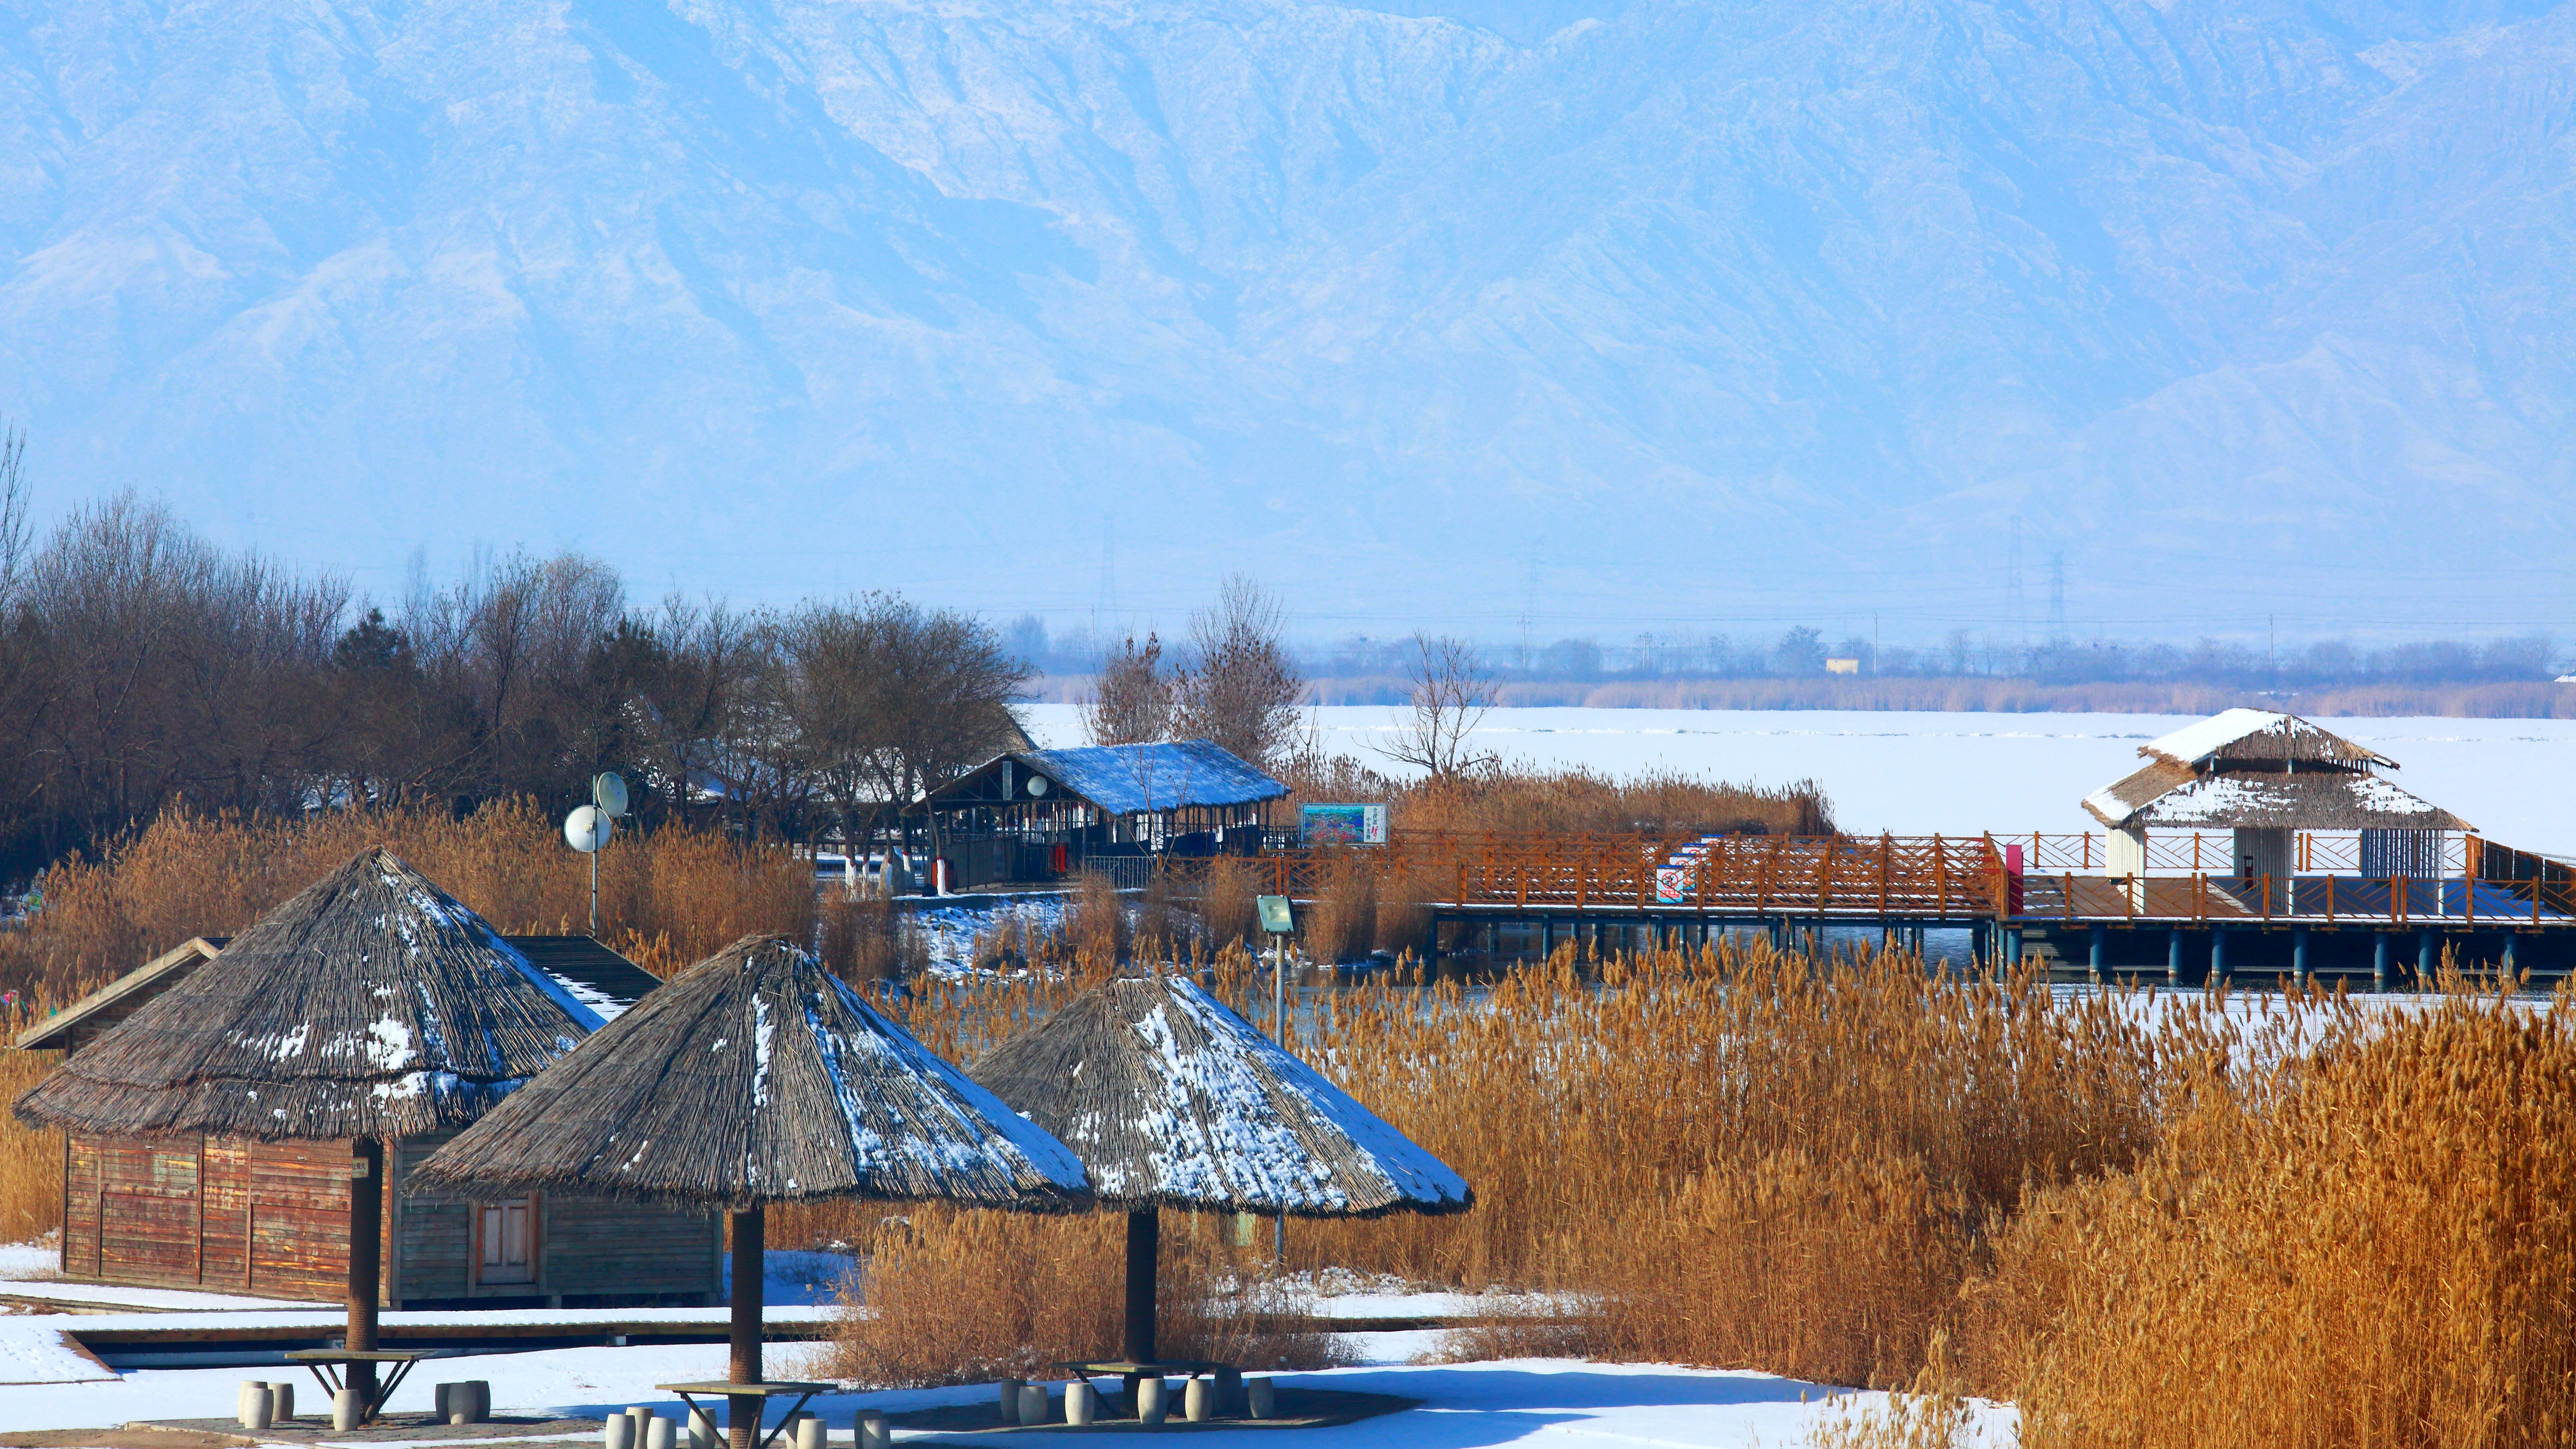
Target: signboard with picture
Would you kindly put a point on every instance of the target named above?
(1342, 824)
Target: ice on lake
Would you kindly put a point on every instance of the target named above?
(1914, 773)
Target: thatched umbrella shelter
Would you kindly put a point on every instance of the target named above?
(757, 1076)
(1172, 1100)
(371, 1007)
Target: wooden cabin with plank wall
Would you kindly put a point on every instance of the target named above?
(271, 1219)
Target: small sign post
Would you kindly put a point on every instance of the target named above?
(1281, 923)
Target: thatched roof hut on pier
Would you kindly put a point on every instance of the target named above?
(1172, 1100)
(2264, 777)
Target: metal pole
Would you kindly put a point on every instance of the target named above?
(743, 1414)
(1279, 1028)
(594, 894)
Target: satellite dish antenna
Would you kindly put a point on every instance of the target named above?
(1037, 784)
(608, 792)
(586, 830)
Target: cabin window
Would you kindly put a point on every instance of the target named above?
(506, 1234)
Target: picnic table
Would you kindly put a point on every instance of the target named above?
(325, 1364)
(734, 1394)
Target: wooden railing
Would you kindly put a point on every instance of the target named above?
(1954, 876)
(1943, 877)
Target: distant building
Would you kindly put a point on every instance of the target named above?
(238, 1215)
(1842, 666)
(1041, 815)
(2265, 777)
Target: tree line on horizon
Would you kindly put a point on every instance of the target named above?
(144, 668)
(1803, 651)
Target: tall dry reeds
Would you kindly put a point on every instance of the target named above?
(1517, 799)
(1580, 801)
(1340, 924)
(667, 899)
(1227, 913)
(31, 1162)
(2373, 1243)
(960, 1297)
(863, 938)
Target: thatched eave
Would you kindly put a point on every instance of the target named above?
(758, 1077)
(1173, 1100)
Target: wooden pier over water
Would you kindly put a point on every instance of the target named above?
(2038, 897)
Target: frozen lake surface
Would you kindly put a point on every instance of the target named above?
(1918, 773)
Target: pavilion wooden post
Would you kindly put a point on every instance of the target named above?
(743, 1365)
(1144, 1246)
(366, 1258)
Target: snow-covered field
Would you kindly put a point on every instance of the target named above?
(1918, 773)
(1463, 1406)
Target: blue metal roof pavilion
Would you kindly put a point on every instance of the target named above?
(1041, 815)
(1114, 779)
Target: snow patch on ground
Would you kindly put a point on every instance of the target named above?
(33, 1351)
(949, 932)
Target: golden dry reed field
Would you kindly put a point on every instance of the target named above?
(2149, 1219)
(666, 900)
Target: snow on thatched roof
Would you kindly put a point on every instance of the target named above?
(2253, 769)
(2257, 734)
(1173, 1100)
(373, 1004)
(757, 1076)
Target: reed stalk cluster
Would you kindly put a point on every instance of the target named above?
(667, 898)
(963, 1297)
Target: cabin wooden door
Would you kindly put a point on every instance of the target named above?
(505, 1242)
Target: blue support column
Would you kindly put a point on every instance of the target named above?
(2217, 957)
(2428, 957)
(2173, 956)
(2379, 960)
(2100, 944)
(2511, 969)
(2299, 957)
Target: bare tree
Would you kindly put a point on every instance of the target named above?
(1131, 697)
(13, 512)
(1451, 696)
(1240, 688)
(887, 699)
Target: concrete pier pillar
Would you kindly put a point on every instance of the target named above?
(2299, 957)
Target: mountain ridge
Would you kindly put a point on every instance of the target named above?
(1682, 305)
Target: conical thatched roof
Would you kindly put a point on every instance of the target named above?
(757, 1076)
(1172, 1100)
(370, 1005)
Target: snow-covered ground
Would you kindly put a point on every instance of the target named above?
(1918, 773)
(950, 931)
(1464, 1406)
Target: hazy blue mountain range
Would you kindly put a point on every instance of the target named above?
(2244, 305)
